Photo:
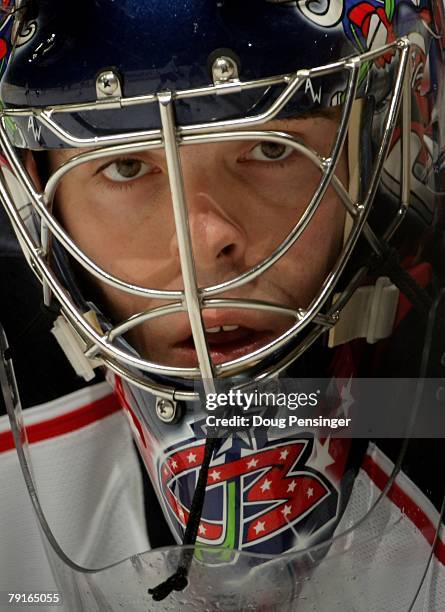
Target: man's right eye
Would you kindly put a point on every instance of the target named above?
(124, 170)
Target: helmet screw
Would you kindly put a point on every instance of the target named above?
(166, 410)
(224, 70)
(108, 85)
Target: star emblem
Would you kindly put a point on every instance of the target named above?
(266, 485)
(215, 475)
(260, 526)
(310, 492)
(284, 454)
(202, 530)
(291, 486)
(252, 463)
(191, 457)
(239, 439)
(286, 510)
(321, 458)
(174, 464)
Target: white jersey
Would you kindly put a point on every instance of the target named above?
(394, 562)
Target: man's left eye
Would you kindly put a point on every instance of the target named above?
(123, 170)
(269, 151)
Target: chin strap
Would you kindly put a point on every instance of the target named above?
(178, 581)
(388, 262)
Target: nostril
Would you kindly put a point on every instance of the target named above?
(227, 250)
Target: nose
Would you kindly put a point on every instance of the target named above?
(218, 239)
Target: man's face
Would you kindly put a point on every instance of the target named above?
(243, 198)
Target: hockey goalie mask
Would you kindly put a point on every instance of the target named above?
(213, 193)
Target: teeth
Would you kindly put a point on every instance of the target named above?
(226, 328)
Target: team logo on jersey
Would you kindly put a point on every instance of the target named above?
(262, 499)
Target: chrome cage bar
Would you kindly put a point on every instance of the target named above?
(193, 299)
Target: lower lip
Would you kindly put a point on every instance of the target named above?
(235, 345)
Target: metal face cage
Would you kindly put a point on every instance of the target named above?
(106, 346)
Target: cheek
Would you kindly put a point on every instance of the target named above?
(275, 209)
(273, 223)
(121, 305)
(134, 245)
(307, 263)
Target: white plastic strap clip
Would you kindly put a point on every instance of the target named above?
(370, 314)
(74, 348)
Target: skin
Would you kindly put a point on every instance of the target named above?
(243, 198)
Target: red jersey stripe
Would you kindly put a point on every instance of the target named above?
(65, 423)
(409, 507)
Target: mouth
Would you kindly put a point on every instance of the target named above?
(226, 343)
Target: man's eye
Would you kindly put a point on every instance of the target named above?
(123, 170)
(270, 151)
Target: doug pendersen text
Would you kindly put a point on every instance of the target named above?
(245, 401)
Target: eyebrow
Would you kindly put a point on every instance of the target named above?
(331, 113)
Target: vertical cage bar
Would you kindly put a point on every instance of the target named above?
(191, 292)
